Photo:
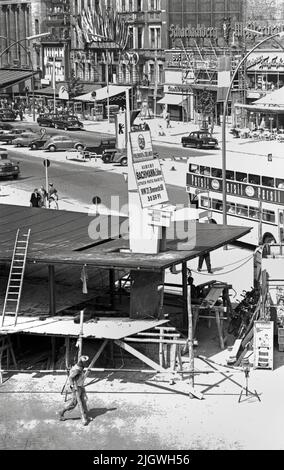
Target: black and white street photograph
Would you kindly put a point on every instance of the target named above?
(141, 229)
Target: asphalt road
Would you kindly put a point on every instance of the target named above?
(80, 183)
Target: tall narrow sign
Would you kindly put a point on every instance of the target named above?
(148, 172)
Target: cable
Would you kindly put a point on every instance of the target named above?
(226, 272)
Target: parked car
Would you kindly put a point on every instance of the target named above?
(104, 144)
(5, 127)
(199, 139)
(67, 122)
(62, 142)
(46, 120)
(7, 114)
(10, 136)
(115, 156)
(7, 167)
(24, 139)
(39, 142)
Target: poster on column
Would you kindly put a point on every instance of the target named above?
(148, 172)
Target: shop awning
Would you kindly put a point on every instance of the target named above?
(9, 77)
(47, 91)
(261, 108)
(103, 93)
(172, 98)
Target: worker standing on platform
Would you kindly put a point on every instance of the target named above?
(79, 396)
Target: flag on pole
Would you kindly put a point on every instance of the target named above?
(84, 279)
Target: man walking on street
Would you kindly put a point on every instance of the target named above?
(205, 257)
(35, 198)
(79, 396)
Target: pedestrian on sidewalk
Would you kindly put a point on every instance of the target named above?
(43, 195)
(79, 396)
(35, 198)
(204, 257)
(168, 119)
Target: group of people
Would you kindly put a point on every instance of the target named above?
(42, 198)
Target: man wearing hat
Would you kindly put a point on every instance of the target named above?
(79, 396)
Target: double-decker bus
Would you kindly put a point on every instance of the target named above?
(254, 188)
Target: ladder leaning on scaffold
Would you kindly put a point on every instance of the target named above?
(16, 275)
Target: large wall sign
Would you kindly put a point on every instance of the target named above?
(148, 172)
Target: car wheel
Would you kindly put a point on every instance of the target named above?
(79, 147)
(33, 146)
(106, 158)
(198, 145)
(52, 148)
(18, 145)
(66, 128)
(123, 161)
(183, 144)
(56, 126)
(15, 177)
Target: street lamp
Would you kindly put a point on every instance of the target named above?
(14, 43)
(280, 34)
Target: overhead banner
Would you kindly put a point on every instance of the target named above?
(148, 172)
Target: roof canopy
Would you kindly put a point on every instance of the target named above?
(274, 98)
(63, 237)
(9, 77)
(103, 93)
(173, 99)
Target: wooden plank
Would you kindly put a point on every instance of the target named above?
(156, 340)
(233, 354)
(95, 358)
(139, 355)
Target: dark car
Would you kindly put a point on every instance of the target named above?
(5, 126)
(115, 156)
(7, 167)
(7, 114)
(45, 120)
(67, 122)
(62, 142)
(199, 139)
(104, 144)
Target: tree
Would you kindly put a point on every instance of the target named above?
(74, 87)
(206, 107)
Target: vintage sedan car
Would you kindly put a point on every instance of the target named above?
(46, 120)
(67, 122)
(7, 167)
(39, 142)
(104, 144)
(199, 139)
(62, 142)
(5, 127)
(115, 156)
(25, 139)
(7, 114)
(10, 136)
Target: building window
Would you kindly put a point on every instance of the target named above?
(122, 5)
(155, 38)
(130, 38)
(130, 5)
(140, 38)
(139, 5)
(152, 73)
(154, 5)
(36, 27)
(161, 69)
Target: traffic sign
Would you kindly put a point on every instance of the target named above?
(96, 200)
(46, 163)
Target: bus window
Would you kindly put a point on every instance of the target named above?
(231, 208)
(254, 179)
(205, 201)
(267, 181)
(268, 216)
(242, 210)
(193, 168)
(205, 170)
(241, 177)
(279, 183)
(253, 213)
(217, 204)
(230, 175)
(216, 172)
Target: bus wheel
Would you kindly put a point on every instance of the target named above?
(268, 238)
